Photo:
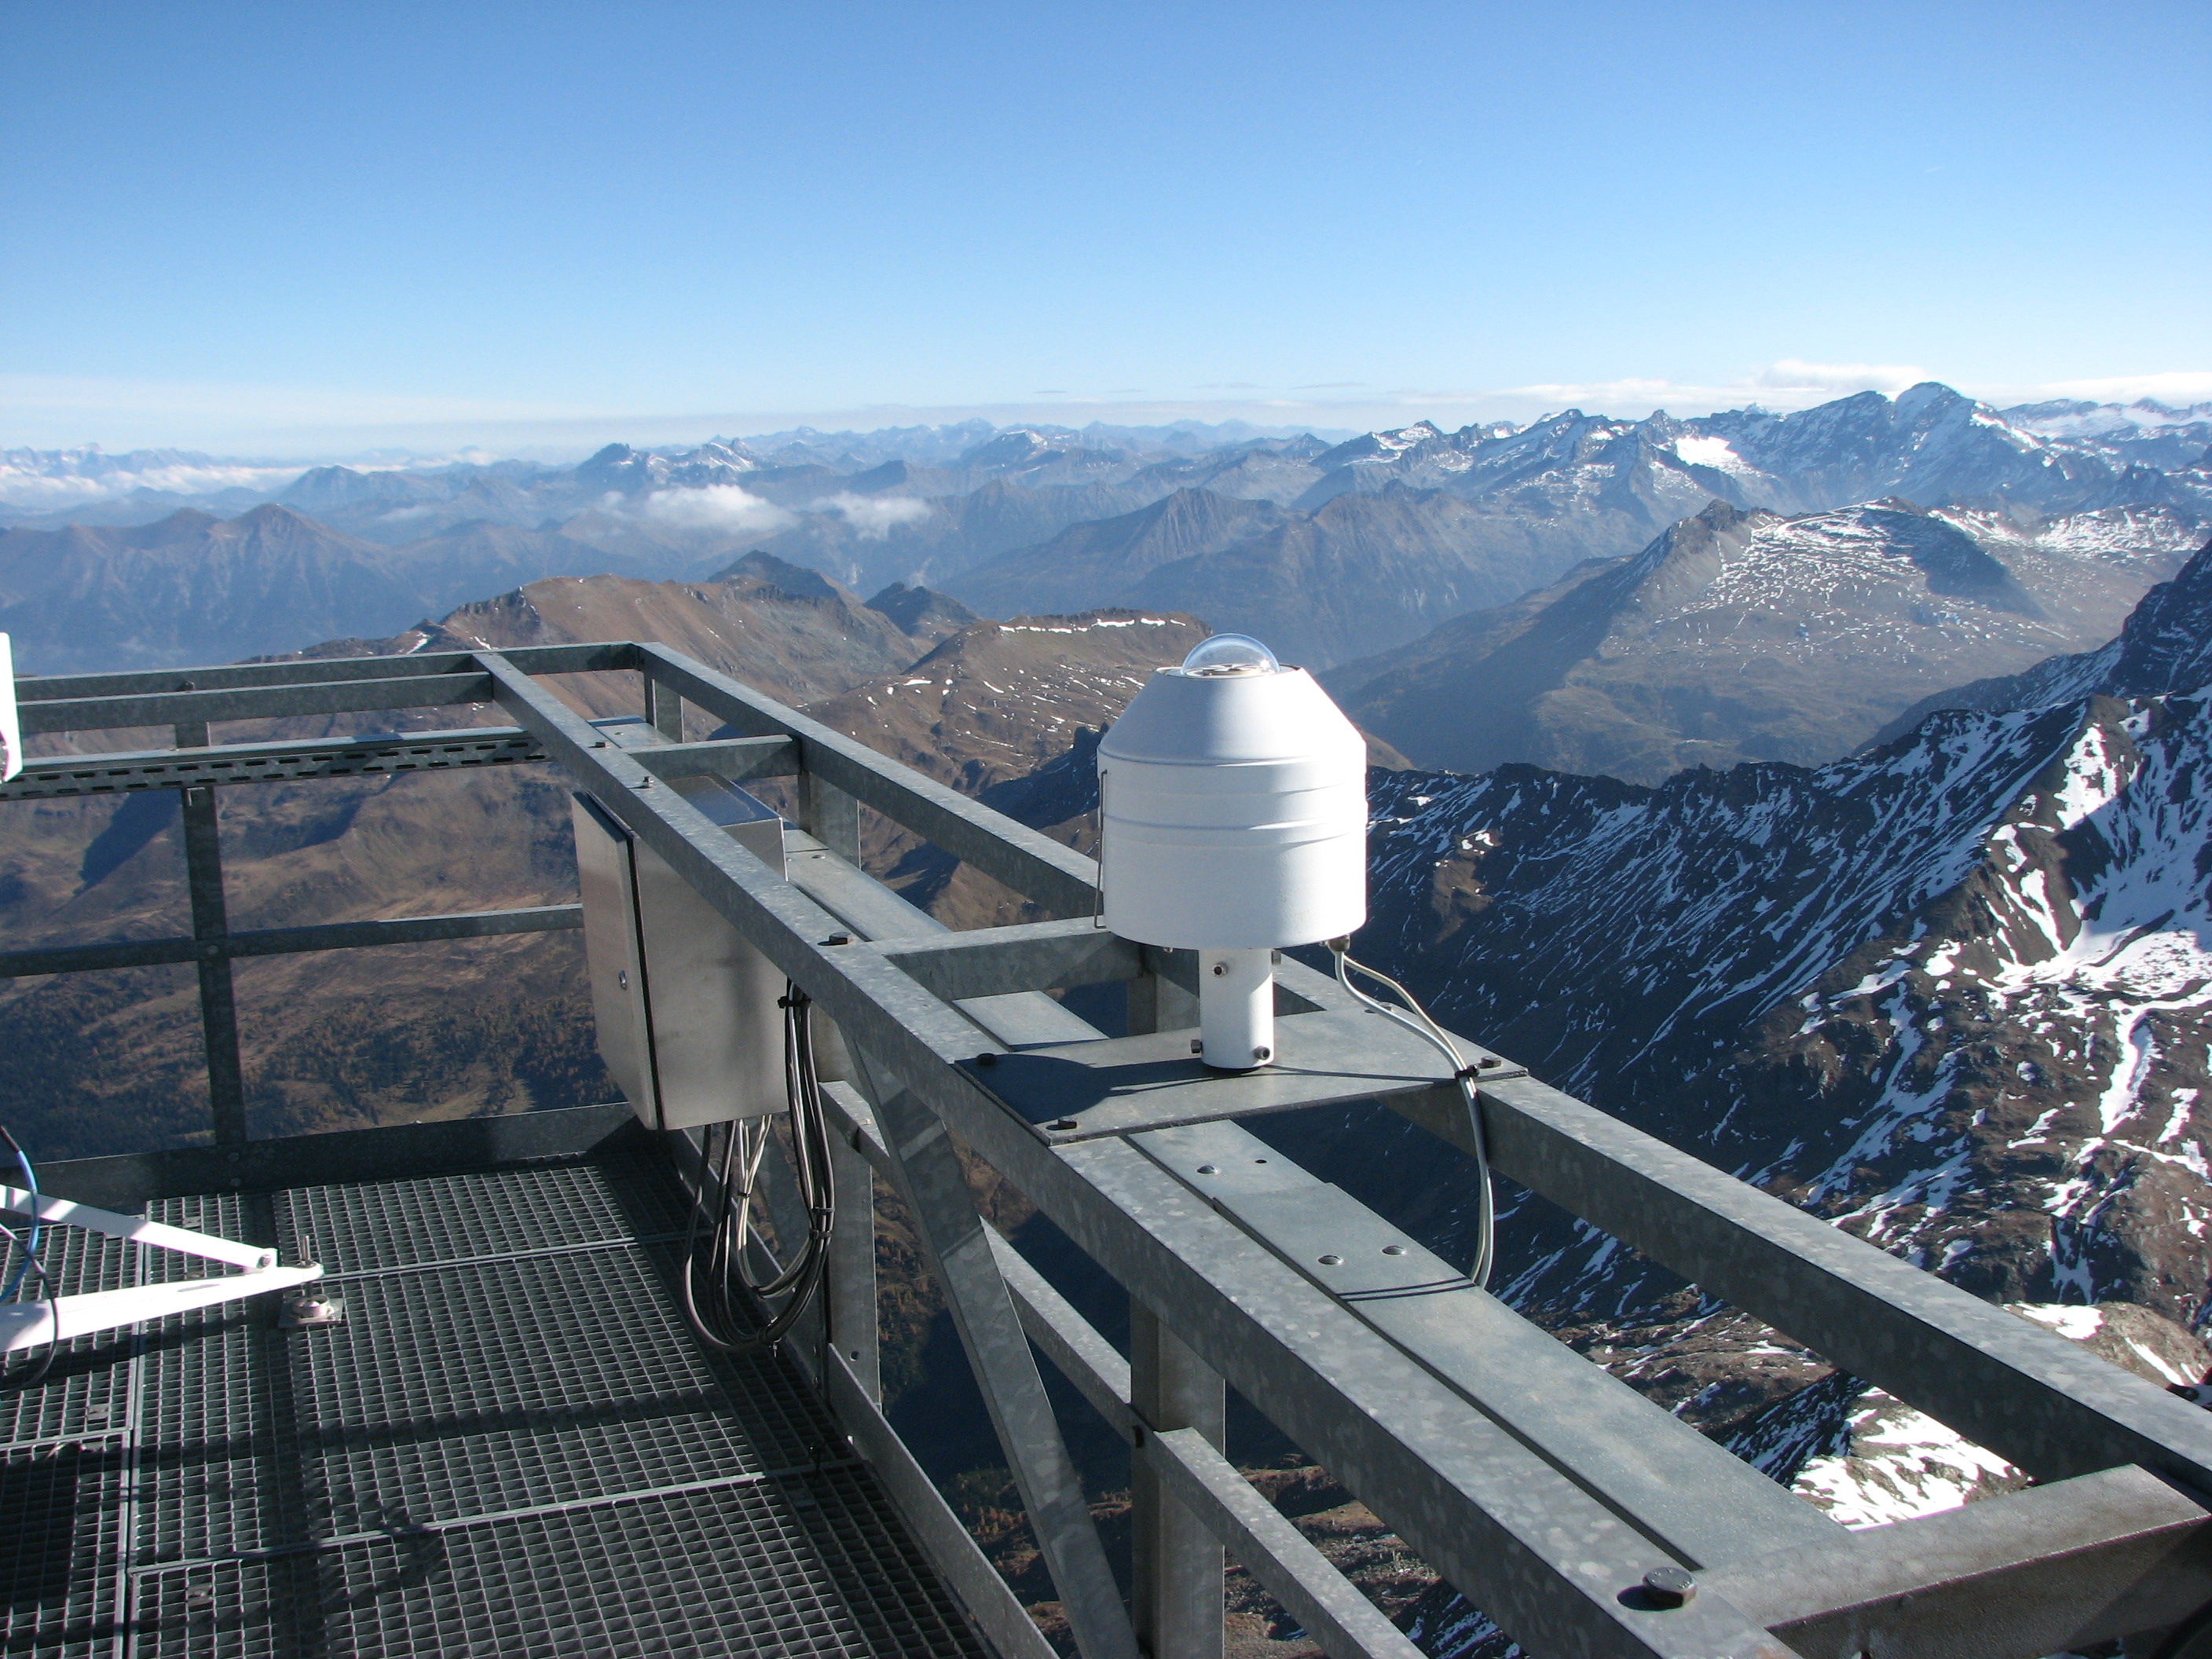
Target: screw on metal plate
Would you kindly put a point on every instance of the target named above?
(622, 977)
(838, 938)
(1670, 1587)
(1393, 1249)
(1219, 969)
(1209, 1168)
(1198, 1045)
(1065, 1123)
(309, 1305)
(1331, 1259)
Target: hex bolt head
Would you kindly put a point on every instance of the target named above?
(1197, 1045)
(1670, 1587)
(1065, 1123)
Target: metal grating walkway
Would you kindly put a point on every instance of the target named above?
(512, 1446)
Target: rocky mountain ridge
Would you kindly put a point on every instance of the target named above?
(1742, 634)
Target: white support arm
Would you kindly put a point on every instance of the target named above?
(62, 1212)
(27, 1324)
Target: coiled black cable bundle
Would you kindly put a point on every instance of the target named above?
(727, 1307)
(27, 1243)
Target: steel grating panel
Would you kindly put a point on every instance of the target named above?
(768, 1568)
(85, 1390)
(62, 1516)
(510, 1445)
(452, 1392)
(354, 1229)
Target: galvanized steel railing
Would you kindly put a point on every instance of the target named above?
(1536, 1483)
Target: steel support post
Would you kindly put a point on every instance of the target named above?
(956, 1243)
(851, 1286)
(832, 817)
(1176, 1559)
(211, 926)
(663, 709)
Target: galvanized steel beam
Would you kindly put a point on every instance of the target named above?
(2052, 1568)
(1032, 863)
(958, 1246)
(1685, 1492)
(734, 758)
(1177, 1578)
(253, 702)
(59, 777)
(578, 658)
(2026, 1392)
(1043, 956)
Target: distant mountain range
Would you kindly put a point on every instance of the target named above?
(1335, 551)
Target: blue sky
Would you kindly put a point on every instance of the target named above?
(308, 230)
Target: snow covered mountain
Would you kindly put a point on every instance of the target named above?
(1745, 636)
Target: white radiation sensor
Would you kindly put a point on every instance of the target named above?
(1233, 821)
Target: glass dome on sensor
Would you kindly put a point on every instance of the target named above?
(1231, 653)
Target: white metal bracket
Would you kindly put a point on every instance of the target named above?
(27, 1324)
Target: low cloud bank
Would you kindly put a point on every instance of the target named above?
(717, 506)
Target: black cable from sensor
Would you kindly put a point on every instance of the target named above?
(1415, 1018)
(727, 1306)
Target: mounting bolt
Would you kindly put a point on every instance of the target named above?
(987, 1058)
(1208, 1169)
(1489, 1062)
(1063, 1124)
(838, 938)
(1393, 1249)
(1197, 1045)
(1262, 1055)
(1219, 969)
(210, 952)
(1331, 1259)
(1670, 1587)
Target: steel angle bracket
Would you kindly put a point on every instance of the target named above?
(1077, 1092)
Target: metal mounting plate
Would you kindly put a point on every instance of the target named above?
(1121, 1086)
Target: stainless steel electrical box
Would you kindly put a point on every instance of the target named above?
(687, 1011)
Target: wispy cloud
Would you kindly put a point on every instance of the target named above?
(716, 507)
(874, 517)
(1795, 375)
